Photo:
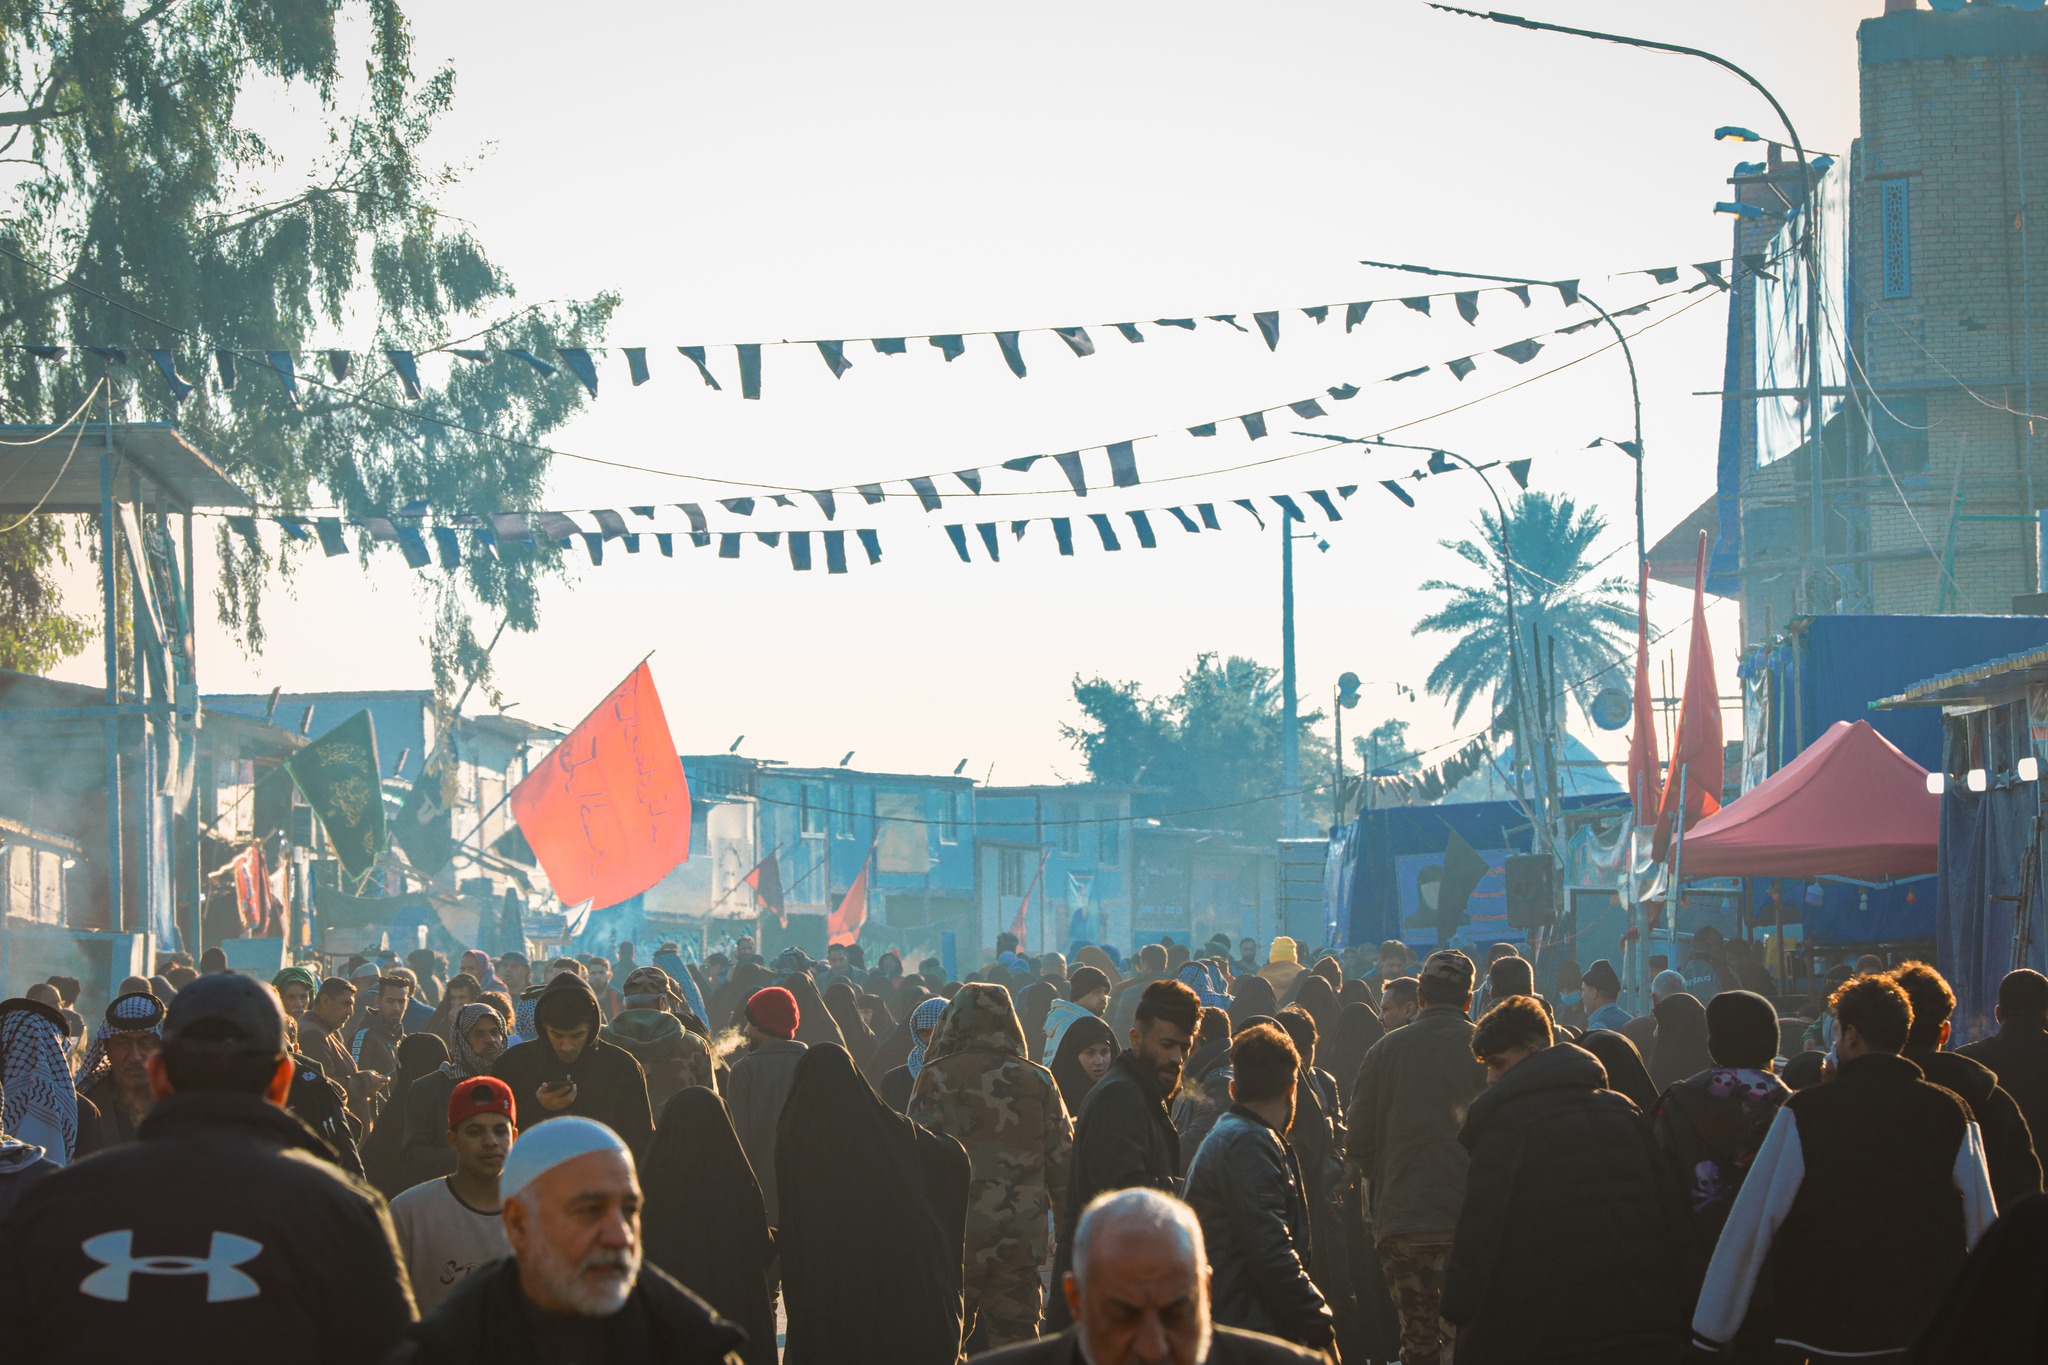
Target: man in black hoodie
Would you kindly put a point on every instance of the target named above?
(1559, 1160)
(2008, 1145)
(570, 1069)
(223, 1228)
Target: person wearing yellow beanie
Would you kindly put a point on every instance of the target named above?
(1283, 964)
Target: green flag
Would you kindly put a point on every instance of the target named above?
(425, 823)
(337, 774)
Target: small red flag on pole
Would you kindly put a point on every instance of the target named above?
(843, 926)
(1017, 928)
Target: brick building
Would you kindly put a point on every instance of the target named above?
(1928, 466)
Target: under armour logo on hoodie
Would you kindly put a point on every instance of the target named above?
(115, 1253)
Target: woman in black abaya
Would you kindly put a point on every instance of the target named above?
(1358, 1028)
(847, 1168)
(814, 1022)
(1626, 1074)
(1034, 1003)
(1086, 1049)
(844, 1003)
(703, 1221)
(1681, 1049)
(418, 1055)
(1251, 997)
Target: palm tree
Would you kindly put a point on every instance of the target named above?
(1556, 600)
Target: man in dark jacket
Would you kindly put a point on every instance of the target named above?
(2008, 1144)
(223, 1228)
(2018, 1053)
(1139, 1295)
(1863, 1203)
(1124, 1137)
(569, 1069)
(1245, 1186)
(1406, 1106)
(1560, 1161)
(575, 1287)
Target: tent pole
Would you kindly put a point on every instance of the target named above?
(1677, 862)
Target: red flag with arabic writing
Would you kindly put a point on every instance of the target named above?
(607, 812)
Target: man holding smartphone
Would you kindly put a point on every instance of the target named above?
(569, 1069)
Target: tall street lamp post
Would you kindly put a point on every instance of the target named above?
(1816, 567)
(1635, 390)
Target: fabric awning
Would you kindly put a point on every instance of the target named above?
(1851, 805)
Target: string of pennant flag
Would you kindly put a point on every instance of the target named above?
(493, 535)
(1121, 457)
(288, 366)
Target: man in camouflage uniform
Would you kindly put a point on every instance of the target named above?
(980, 1087)
(1406, 1108)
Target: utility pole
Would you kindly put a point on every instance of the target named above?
(1290, 723)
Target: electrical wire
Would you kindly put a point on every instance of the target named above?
(58, 429)
(62, 469)
(1905, 503)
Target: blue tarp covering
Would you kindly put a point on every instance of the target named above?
(1830, 668)
(1391, 849)
(1983, 848)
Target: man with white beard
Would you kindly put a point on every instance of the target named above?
(574, 1288)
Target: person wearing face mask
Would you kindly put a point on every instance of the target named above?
(897, 1085)
(1567, 997)
(1139, 1295)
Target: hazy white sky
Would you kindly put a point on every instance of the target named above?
(745, 171)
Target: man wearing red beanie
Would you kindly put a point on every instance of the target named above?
(452, 1226)
(761, 1081)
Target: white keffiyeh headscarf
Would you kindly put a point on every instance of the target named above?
(38, 1104)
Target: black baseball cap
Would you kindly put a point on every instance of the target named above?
(228, 1011)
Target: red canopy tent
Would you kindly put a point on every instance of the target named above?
(1851, 805)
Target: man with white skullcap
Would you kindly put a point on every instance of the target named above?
(574, 1287)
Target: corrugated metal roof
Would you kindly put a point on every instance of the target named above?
(61, 473)
(1988, 683)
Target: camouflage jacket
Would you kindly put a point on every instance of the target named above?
(979, 1086)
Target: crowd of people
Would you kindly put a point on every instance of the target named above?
(1186, 1156)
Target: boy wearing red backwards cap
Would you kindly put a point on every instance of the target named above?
(452, 1226)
